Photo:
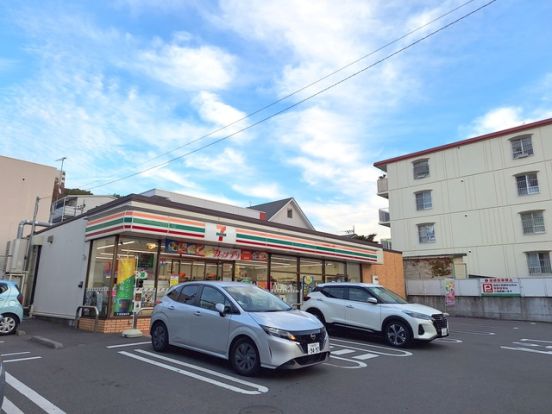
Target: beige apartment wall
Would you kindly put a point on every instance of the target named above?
(20, 183)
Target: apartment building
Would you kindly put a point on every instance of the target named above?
(477, 207)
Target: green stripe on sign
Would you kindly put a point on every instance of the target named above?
(187, 228)
(306, 246)
(109, 223)
(152, 223)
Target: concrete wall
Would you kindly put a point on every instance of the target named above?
(21, 182)
(519, 309)
(390, 274)
(63, 264)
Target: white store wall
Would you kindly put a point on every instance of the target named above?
(62, 267)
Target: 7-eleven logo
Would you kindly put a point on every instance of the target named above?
(220, 233)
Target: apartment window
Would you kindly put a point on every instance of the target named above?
(423, 200)
(290, 213)
(421, 169)
(527, 183)
(426, 232)
(538, 263)
(522, 146)
(532, 222)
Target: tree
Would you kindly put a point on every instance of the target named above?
(76, 191)
(369, 238)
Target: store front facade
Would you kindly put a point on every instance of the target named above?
(139, 244)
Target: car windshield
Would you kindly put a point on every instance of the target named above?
(253, 299)
(386, 296)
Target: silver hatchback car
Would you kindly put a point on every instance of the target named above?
(239, 322)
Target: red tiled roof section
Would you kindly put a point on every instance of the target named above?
(513, 130)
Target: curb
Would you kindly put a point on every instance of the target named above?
(47, 342)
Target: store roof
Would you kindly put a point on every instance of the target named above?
(271, 208)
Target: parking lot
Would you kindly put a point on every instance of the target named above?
(488, 366)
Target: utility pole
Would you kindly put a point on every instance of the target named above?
(27, 263)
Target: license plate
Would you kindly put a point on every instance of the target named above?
(444, 331)
(313, 348)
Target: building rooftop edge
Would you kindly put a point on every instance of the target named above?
(519, 128)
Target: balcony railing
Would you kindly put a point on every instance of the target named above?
(384, 218)
(382, 187)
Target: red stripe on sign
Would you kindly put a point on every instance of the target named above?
(105, 231)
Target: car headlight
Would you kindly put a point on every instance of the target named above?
(280, 333)
(418, 315)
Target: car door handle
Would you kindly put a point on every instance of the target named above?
(350, 306)
(197, 313)
(171, 307)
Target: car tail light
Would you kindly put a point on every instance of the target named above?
(20, 298)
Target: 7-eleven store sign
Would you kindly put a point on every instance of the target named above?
(220, 233)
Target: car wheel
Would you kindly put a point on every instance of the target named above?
(159, 337)
(9, 324)
(397, 333)
(245, 357)
(318, 315)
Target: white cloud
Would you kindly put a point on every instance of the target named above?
(226, 162)
(268, 191)
(497, 119)
(188, 68)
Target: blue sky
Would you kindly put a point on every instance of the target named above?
(119, 87)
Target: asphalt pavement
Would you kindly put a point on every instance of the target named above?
(485, 366)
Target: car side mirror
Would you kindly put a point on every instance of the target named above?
(221, 309)
(372, 300)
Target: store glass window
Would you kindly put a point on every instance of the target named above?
(335, 271)
(135, 258)
(100, 274)
(284, 278)
(252, 271)
(311, 274)
(354, 272)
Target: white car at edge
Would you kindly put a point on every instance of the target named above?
(373, 308)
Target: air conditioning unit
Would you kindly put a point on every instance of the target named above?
(16, 256)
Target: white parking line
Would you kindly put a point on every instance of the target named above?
(258, 388)
(9, 408)
(32, 395)
(343, 352)
(14, 353)
(527, 350)
(132, 344)
(22, 359)
(474, 332)
(394, 352)
(535, 340)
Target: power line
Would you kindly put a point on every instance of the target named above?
(333, 85)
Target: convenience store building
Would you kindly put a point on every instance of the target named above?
(95, 259)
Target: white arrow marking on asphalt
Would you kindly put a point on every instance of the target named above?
(396, 352)
(14, 353)
(364, 357)
(343, 352)
(357, 364)
(10, 408)
(527, 350)
(535, 340)
(33, 395)
(260, 388)
(526, 344)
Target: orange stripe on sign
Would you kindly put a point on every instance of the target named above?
(106, 218)
(166, 218)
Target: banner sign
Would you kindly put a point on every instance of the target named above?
(195, 249)
(450, 292)
(503, 286)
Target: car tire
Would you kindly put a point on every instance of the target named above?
(9, 324)
(318, 315)
(159, 337)
(397, 333)
(244, 357)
